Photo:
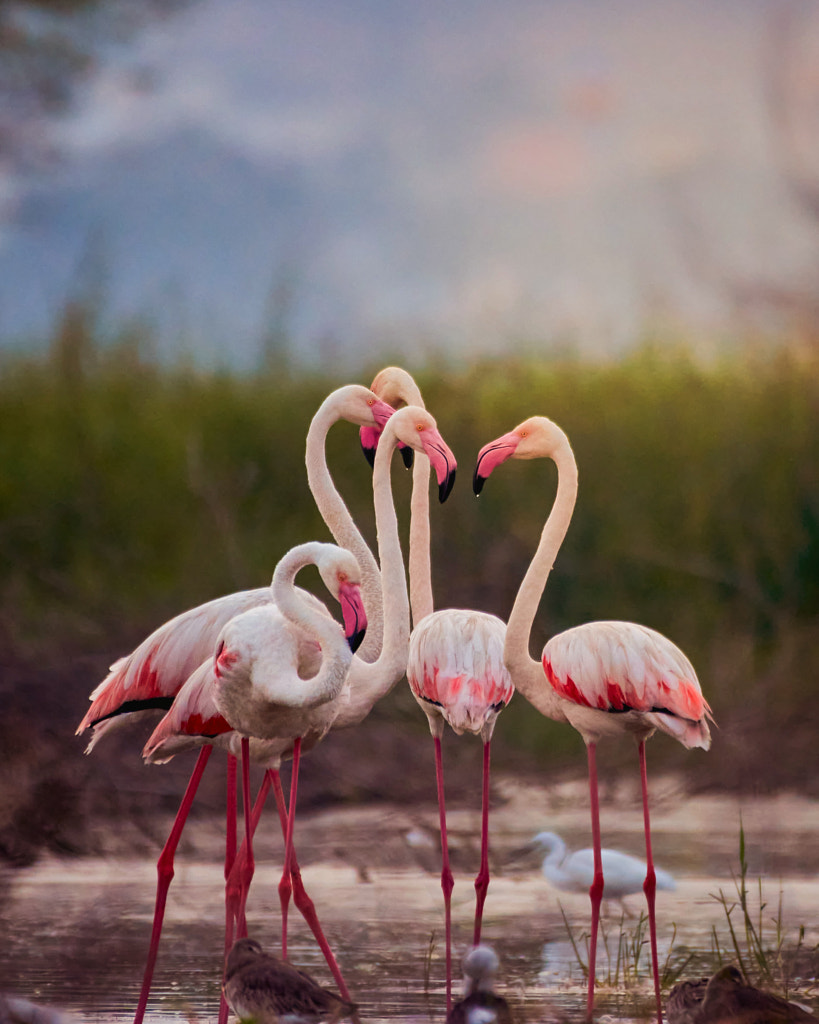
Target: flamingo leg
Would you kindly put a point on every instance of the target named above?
(447, 881)
(247, 864)
(286, 884)
(300, 897)
(164, 871)
(230, 857)
(650, 884)
(596, 889)
(482, 879)
(234, 883)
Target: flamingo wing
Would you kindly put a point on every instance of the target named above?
(193, 718)
(621, 666)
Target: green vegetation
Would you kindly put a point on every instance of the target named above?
(130, 492)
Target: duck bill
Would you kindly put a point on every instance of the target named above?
(491, 456)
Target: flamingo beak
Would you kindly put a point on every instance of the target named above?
(442, 461)
(491, 456)
(369, 442)
(355, 618)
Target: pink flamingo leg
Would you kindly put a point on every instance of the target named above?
(596, 889)
(233, 888)
(247, 865)
(164, 871)
(650, 884)
(300, 897)
(447, 881)
(286, 885)
(482, 880)
(230, 858)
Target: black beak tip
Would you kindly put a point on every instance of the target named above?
(477, 482)
(407, 455)
(356, 640)
(445, 488)
(369, 455)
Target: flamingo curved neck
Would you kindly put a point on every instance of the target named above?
(397, 387)
(336, 654)
(527, 673)
(337, 516)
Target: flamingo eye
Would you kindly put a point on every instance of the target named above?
(371, 402)
(342, 577)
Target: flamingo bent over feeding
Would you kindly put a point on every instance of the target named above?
(604, 678)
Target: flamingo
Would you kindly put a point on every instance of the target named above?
(574, 872)
(455, 667)
(260, 987)
(191, 720)
(276, 631)
(604, 678)
(480, 1005)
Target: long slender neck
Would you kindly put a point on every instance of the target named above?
(370, 682)
(336, 655)
(527, 674)
(420, 567)
(337, 516)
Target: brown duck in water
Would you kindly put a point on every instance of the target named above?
(726, 999)
(480, 1005)
(262, 989)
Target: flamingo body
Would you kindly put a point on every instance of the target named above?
(574, 872)
(621, 676)
(456, 671)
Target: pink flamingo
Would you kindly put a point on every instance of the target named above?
(192, 719)
(455, 667)
(604, 678)
(273, 635)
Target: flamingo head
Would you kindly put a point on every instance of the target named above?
(341, 574)
(416, 428)
(397, 388)
(533, 439)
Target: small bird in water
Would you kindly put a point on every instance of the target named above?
(623, 874)
(480, 1005)
(726, 999)
(262, 989)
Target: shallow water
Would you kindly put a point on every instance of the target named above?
(76, 931)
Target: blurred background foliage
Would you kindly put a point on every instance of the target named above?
(131, 491)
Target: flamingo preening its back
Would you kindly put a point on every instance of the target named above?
(604, 678)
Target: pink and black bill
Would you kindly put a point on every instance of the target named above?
(355, 618)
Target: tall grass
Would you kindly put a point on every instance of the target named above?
(130, 491)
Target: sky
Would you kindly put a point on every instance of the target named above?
(439, 178)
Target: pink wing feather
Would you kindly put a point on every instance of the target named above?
(620, 666)
(159, 666)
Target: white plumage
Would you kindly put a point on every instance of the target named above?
(623, 875)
